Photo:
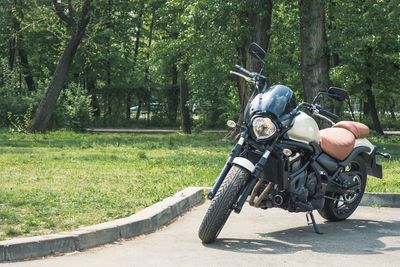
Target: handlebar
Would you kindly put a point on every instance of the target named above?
(248, 79)
(317, 110)
(329, 114)
(248, 73)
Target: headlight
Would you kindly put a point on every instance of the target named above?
(263, 128)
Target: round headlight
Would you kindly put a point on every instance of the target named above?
(263, 128)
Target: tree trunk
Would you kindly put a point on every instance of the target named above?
(15, 25)
(260, 33)
(331, 26)
(25, 68)
(90, 87)
(11, 53)
(49, 100)
(392, 105)
(173, 97)
(372, 108)
(139, 109)
(137, 44)
(184, 93)
(371, 98)
(260, 28)
(314, 53)
(21, 51)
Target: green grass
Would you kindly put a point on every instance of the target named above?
(62, 180)
(391, 168)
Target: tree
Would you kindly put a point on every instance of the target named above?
(366, 38)
(314, 53)
(49, 100)
(257, 18)
(184, 94)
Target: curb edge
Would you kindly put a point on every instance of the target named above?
(145, 221)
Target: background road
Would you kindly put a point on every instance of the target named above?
(371, 237)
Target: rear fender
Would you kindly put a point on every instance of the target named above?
(365, 143)
(366, 150)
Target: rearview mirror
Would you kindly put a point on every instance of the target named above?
(337, 93)
(256, 51)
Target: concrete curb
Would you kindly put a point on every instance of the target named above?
(381, 199)
(145, 221)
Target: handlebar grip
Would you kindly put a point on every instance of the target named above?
(244, 71)
(329, 114)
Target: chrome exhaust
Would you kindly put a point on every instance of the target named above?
(263, 195)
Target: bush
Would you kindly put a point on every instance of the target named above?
(16, 102)
(77, 106)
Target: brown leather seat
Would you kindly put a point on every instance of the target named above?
(358, 129)
(337, 142)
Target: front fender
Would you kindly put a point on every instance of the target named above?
(245, 163)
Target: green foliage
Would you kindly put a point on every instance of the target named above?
(18, 123)
(365, 36)
(16, 103)
(78, 109)
(205, 34)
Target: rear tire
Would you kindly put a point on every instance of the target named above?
(334, 210)
(221, 205)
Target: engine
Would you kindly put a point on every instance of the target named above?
(301, 191)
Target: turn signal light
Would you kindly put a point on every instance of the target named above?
(231, 124)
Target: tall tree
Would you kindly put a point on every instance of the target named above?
(314, 53)
(184, 94)
(49, 100)
(366, 38)
(138, 25)
(257, 18)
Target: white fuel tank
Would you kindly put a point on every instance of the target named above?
(304, 130)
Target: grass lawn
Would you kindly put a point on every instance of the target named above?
(62, 180)
(391, 168)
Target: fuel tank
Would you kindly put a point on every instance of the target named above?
(304, 130)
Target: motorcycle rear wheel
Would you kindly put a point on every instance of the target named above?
(221, 205)
(335, 210)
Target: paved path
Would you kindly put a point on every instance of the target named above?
(392, 132)
(371, 237)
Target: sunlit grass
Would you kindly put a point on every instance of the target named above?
(391, 168)
(62, 180)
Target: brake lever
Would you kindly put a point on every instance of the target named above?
(248, 79)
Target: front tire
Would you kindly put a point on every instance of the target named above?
(221, 205)
(335, 210)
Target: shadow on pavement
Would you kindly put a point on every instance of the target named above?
(352, 237)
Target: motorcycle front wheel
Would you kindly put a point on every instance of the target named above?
(221, 204)
(345, 204)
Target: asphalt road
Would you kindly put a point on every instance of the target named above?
(370, 237)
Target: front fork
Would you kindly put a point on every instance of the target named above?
(237, 207)
(234, 153)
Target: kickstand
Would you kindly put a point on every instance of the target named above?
(312, 222)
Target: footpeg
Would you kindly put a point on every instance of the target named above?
(385, 155)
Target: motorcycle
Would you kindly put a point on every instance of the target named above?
(283, 160)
